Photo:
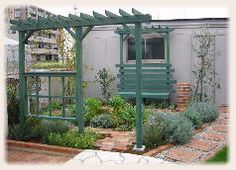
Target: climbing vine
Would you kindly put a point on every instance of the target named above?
(204, 74)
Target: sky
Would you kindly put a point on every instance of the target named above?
(157, 13)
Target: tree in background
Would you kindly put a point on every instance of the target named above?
(105, 78)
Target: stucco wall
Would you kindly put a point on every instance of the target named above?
(101, 49)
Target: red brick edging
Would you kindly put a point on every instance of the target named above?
(158, 150)
(31, 145)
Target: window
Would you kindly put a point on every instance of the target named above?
(17, 13)
(152, 48)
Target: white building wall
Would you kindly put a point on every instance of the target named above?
(101, 49)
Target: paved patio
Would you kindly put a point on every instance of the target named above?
(17, 155)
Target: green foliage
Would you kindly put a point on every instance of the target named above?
(102, 121)
(172, 106)
(86, 140)
(161, 128)
(55, 126)
(105, 78)
(220, 157)
(208, 111)
(117, 103)
(194, 116)
(13, 103)
(55, 105)
(30, 130)
(125, 119)
(92, 108)
(48, 65)
(181, 128)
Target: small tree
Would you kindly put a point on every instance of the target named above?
(105, 78)
(204, 74)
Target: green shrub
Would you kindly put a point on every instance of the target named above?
(105, 78)
(86, 140)
(102, 121)
(180, 129)
(208, 111)
(147, 112)
(30, 130)
(92, 108)
(125, 119)
(55, 126)
(194, 116)
(155, 130)
(117, 103)
(161, 128)
(13, 109)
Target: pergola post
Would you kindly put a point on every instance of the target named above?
(167, 48)
(139, 121)
(22, 83)
(79, 79)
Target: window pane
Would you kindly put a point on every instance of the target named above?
(131, 49)
(152, 48)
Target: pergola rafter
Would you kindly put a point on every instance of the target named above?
(145, 30)
(81, 25)
(83, 20)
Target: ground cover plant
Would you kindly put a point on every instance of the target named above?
(220, 157)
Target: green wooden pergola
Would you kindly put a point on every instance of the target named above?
(82, 25)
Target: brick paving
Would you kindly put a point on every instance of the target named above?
(183, 155)
(203, 145)
(115, 140)
(16, 155)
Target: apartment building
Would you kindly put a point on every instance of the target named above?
(44, 44)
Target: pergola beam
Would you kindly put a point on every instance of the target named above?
(145, 30)
(86, 32)
(27, 36)
(72, 33)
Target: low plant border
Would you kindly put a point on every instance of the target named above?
(161, 148)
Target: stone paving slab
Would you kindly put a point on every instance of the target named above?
(103, 158)
(201, 145)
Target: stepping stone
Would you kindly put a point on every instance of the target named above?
(183, 155)
(215, 136)
(201, 145)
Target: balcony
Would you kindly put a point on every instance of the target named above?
(44, 51)
(43, 39)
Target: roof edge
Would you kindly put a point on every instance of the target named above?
(191, 19)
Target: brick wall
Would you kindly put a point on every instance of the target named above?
(183, 95)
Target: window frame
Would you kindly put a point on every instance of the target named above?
(146, 36)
